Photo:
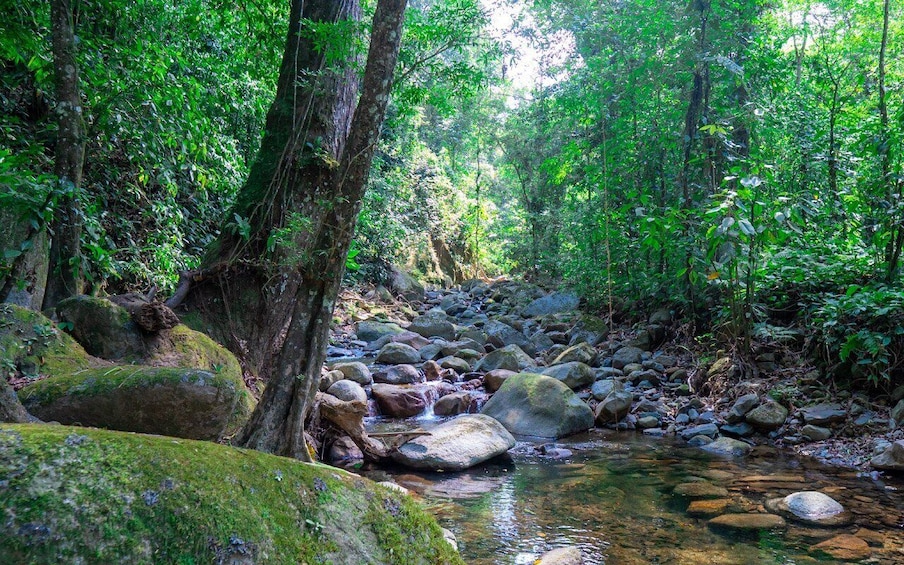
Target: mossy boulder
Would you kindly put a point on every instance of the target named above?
(180, 402)
(104, 329)
(536, 405)
(73, 495)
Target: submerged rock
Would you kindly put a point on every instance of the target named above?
(810, 507)
(458, 444)
(537, 405)
(728, 446)
(165, 501)
(747, 522)
(562, 556)
(844, 547)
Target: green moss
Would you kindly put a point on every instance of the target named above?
(75, 494)
(32, 346)
(195, 349)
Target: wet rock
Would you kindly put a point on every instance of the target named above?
(457, 444)
(699, 441)
(453, 404)
(700, 489)
(398, 353)
(562, 556)
(613, 408)
(458, 365)
(708, 430)
(398, 375)
(574, 374)
(844, 547)
(432, 371)
(510, 357)
(402, 401)
(810, 507)
(741, 407)
(537, 405)
(892, 459)
(769, 415)
(823, 414)
(727, 446)
(747, 522)
(355, 371)
(433, 325)
(709, 508)
(815, 433)
(494, 379)
(582, 352)
(553, 303)
(348, 391)
(626, 356)
(372, 331)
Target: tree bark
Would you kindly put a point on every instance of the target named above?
(64, 274)
(273, 297)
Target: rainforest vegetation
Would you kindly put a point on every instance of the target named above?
(737, 161)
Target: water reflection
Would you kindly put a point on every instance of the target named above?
(617, 501)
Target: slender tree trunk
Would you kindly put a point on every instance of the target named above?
(271, 294)
(887, 184)
(65, 274)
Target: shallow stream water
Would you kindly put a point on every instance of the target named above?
(613, 498)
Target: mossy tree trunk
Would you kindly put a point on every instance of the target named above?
(65, 277)
(271, 281)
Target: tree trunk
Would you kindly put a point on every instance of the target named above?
(271, 290)
(65, 275)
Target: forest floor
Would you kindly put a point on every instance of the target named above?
(781, 371)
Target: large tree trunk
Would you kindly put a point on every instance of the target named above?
(65, 276)
(270, 291)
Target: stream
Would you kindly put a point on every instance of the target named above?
(613, 497)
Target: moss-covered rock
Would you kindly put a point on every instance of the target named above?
(536, 405)
(104, 329)
(173, 401)
(73, 495)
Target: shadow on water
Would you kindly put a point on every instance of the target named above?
(613, 498)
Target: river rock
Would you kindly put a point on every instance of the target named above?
(613, 408)
(823, 414)
(741, 407)
(699, 490)
(457, 444)
(897, 413)
(747, 522)
(626, 356)
(453, 404)
(399, 375)
(369, 330)
(403, 284)
(574, 374)
(355, 371)
(537, 405)
(602, 388)
(727, 446)
(398, 353)
(709, 430)
(562, 556)
(769, 415)
(742, 429)
(494, 379)
(844, 547)
(815, 433)
(510, 357)
(810, 507)
(582, 352)
(348, 391)
(402, 401)
(501, 334)
(892, 459)
(433, 325)
(553, 303)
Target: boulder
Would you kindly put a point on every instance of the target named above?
(404, 285)
(371, 330)
(31, 346)
(844, 547)
(355, 371)
(769, 415)
(537, 405)
(463, 442)
(433, 325)
(494, 379)
(741, 407)
(402, 401)
(416, 341)
(709, 430)
(552, 303)
(510, 357)
(456, 364)
(810, 507)
(582, 352)
(815, 433)
(613, 408)
(329, 378)
(501, 334)
(822, 414)
(157, 500)
(603, 387)
(626, 356)
(398, 375)
(892, 459)
(454, 404)
(897, 413)
(397, 354)
(179, 402)
(347, 390)
(727, 446)
(574, 374)
(103, 328)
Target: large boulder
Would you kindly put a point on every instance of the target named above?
(769, 415)
(583, 352)
(77, 495)
(501, 334)
(626, 356)
(510, 358)
(613, 408)
(348, 391)
(397, 354)
(433, 325)
(104, 329)
(537, 405)
(404, 285)
(355, 371)
(553, 303)
(892, 459)
(372, 330)
(173, 401)
(402, 401)
(810, 507)
(458, 444)
(574, 374)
